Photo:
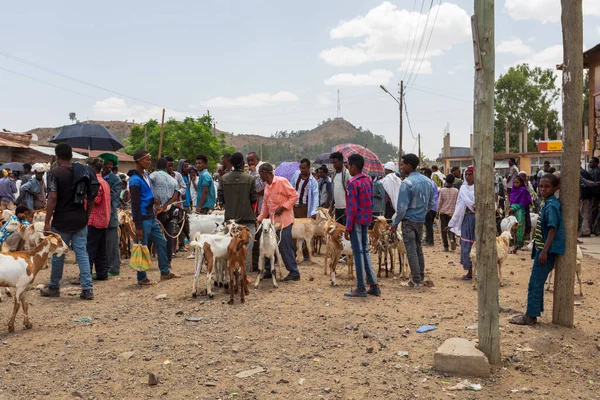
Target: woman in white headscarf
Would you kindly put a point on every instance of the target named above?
(463, 221)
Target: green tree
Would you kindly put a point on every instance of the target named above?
(525, 96)
(182, 139)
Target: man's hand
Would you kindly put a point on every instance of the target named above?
(447, 229)
(347, 235)
(140, 234)
(252, 168)
(279, 210)
(393, 228)
(314, 217)
(198, 210)
(543, 258)
(47, 227)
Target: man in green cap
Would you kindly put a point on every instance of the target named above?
(112, 233)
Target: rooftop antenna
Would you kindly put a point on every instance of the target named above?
(339, 107)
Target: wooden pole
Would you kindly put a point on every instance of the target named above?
(401, 100)
(485, 233)
(420, 156)
(525, 137)
(162, 132)
(507, 136)
(520, 141)
(145, 137)
(572, 24)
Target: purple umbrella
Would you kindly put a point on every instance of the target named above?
(286, 169)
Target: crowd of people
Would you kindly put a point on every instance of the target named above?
(82, 203)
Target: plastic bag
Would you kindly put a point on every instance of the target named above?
(140, 257)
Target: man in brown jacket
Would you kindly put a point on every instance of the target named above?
(237, 193)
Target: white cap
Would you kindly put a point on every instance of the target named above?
(522, 173)
(391, 166)
(39, 167)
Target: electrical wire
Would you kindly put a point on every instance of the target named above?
(408, 120)
(410, 33)
(414, 40)
(442, 95)
(428, 41)
(421, 41)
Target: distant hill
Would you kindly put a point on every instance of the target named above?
(119, 128)
(280, 146)
(294, 145)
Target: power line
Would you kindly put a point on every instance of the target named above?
(410, 34)
(30, 63)
(421, 41)
(414, 39)
(441, 95)
(408, 120)
(428, 40)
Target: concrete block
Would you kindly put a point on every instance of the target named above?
(460, 357)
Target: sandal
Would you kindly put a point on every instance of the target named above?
(356, 293)
(466, 278)
(523, 320)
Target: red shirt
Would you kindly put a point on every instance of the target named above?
(100, 215)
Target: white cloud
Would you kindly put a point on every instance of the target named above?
(387, 33)
(408, 65)
(545, 10)
(549, 57)
(513, 46)
(375, 77)
(252, 100)
(116, 108)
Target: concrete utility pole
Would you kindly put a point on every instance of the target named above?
(572, 24)
(485, 233)
(507, 136)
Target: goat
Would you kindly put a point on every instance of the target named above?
(201, 223)
(578, 261)
(336, 246)
(236, 262)
(303, 230)
(319, 234)
(386, 242)
(212, 249)
(18, 269)
(126, 232)
(269, 248)
(502, 246)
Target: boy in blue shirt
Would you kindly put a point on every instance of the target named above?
(549, 242)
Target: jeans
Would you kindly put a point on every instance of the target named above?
(535, 291)
(153, 233)
(359, 239)
(96, 248)
(286, 248)
(252, 230)
(412, 233)
(112, 249)
(444, 220)
(429, 226)
(340, 215)
(168, 226)
(79, 242)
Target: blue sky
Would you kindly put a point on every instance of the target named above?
(263, 66)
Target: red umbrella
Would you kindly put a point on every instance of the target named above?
(372, 164)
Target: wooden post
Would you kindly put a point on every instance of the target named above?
(162, 132)
(145, 137)
(401, 100)
(485, 233)
(525, 137)
(420, 156)
(507, 136)
(572, 24)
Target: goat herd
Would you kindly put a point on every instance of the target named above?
(222, 246)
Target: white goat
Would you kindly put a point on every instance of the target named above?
(303, 231)
(268, 249)
(200, 223)
(18, 269)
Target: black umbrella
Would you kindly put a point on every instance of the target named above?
(13, 166)
(88, 136)
(323, 159)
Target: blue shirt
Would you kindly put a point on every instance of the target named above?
(415, 199)
(188, 195)
(552, 217)
(5, 233)
(205, 180)
(435, 195)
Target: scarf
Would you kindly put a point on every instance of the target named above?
(466, 199)
(520, 195)
(391, 183)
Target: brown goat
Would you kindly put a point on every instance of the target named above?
(236, 257)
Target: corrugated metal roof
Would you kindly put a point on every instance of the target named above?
(10, 143)
(50, 152)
